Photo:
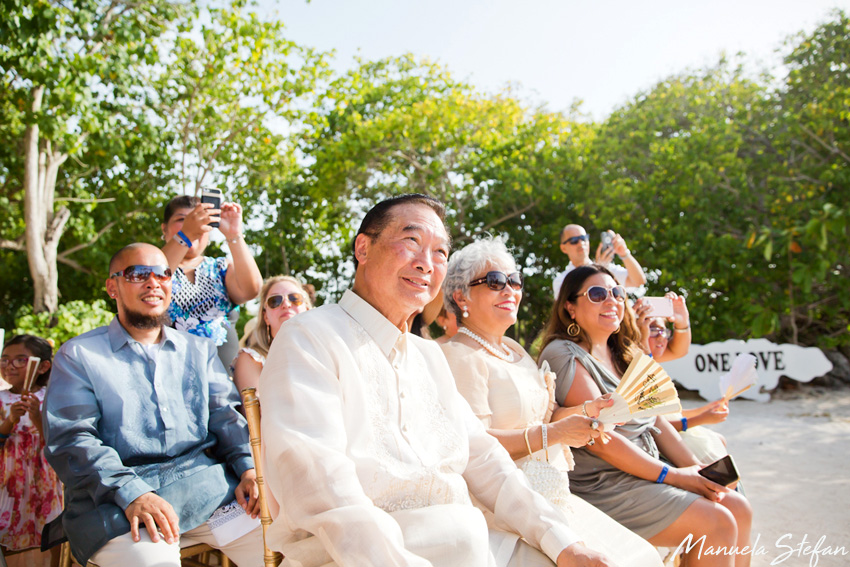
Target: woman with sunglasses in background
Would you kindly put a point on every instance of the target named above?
(30, 492)
(206, 292)
(678, 341)
(513, 399)
(282, 298)
(589, 342)
(706, 445)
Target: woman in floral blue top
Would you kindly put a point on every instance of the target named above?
(205, 290)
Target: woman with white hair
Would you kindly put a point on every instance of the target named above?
(515, 400)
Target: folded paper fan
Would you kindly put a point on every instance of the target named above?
(741, 378)
(32, 369)
(645, 390)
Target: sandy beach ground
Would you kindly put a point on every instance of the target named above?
(793, 454)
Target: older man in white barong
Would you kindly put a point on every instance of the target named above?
(370, 451)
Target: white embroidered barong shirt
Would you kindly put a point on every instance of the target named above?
(370, 448)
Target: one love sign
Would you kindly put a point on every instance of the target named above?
(703, 366)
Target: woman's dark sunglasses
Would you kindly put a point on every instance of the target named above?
(498, 280)
(275, 301)
(598, 294)
(140, 274)
(576, 239)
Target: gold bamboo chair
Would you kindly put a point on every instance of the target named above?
(251, 404)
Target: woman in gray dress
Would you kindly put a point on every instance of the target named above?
(589, 341)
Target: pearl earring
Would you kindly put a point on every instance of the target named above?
(465, 312)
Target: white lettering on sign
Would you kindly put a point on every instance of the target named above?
(702, 367)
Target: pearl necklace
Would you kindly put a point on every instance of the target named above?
(505, 354)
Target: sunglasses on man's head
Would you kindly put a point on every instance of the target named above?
(598, 294)
(275, 301)
(576, 239)
(498, 280)
(140, 274)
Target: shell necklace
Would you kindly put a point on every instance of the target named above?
(504, 353)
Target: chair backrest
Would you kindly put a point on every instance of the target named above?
(251, 404)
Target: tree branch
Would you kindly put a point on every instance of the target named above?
(500, 220)
(74, 264)
(831, 148)
(63, 256)
(79, 200)
(17, 245)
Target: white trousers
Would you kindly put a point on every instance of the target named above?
(247, 551)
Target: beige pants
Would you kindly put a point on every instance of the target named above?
(122, 551)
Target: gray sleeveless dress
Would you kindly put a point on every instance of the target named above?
(643, 506)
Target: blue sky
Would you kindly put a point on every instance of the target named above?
(601, 52)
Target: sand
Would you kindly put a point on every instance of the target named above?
(793, 454)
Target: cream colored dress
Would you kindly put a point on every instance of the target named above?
(515, 395)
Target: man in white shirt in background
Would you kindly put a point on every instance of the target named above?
(371, 452)
(575, 243)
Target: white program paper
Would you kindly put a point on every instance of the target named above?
(230, 522)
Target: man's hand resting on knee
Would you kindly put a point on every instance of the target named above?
(156, 514)
(577, 555)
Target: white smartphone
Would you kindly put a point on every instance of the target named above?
(660, 306)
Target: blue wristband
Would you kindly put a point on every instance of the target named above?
(184, 238)
(684, 424)
(3, 436)
(664, 470)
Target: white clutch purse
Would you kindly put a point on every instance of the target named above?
(548, 480)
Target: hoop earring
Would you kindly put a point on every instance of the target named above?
(465, 312)
(573, 329)
(618, 330)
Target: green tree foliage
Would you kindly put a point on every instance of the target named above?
(234, 93)
(728, 185)
(399, 125)
(78, 156)
(129, 116)
(736, 191)
(71, 319)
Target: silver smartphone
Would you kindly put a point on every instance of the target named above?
(212, 196)
(607, 238)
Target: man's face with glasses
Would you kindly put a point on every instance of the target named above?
(140, 282)
(575, 243)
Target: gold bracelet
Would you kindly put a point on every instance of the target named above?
(527, 444)
(682, 330)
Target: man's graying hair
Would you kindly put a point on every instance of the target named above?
(378, 217)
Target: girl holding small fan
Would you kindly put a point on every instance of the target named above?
(30, 492)
(589, 342)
